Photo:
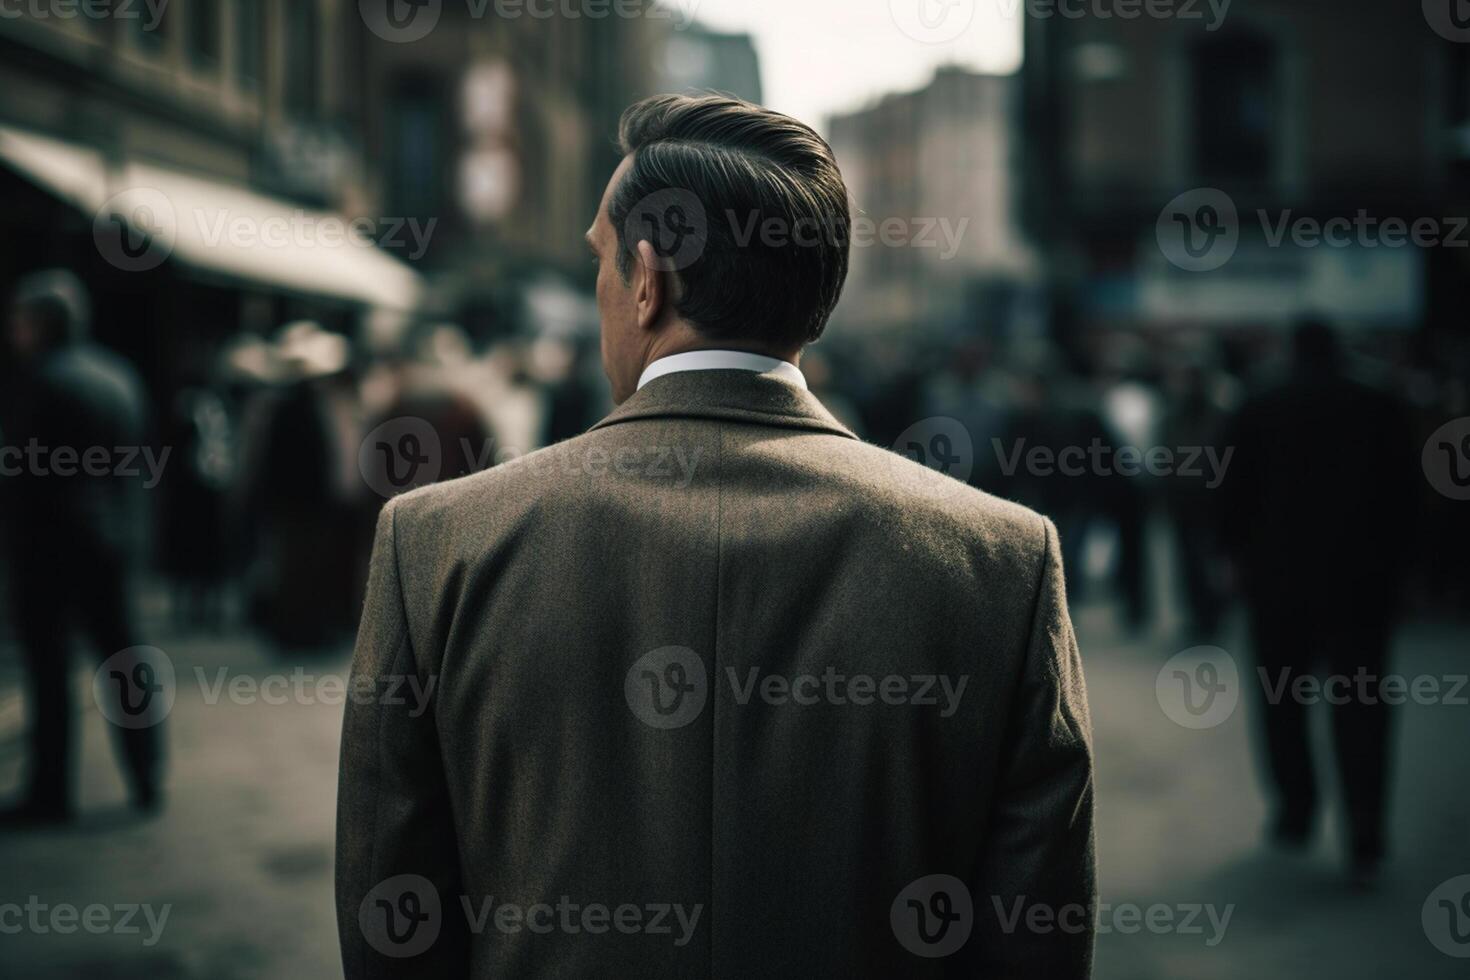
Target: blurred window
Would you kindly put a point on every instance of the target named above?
(1236, 115)
(204, 34)
(248, 33)
(303, 51)
(417, 147)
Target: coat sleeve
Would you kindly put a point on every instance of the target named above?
(1035, 890)
(398, 875)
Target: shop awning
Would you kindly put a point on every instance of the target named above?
(219, 229)
(74, 173)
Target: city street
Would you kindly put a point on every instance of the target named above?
(241, 859)
(656, 283)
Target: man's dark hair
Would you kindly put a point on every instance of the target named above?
(770, 250)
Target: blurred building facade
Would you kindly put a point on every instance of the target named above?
(1297, 111)
(155, 148)
(935, 180)
(474, 153)
(503, 131)
(251, 90)
(697, 59)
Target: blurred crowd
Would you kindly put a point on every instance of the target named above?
(1302, 418)
(289, 448)
(1284, 469)
(282, 448)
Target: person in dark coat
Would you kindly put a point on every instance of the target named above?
(74, 429)
(196, 543)
(575, 401)
(296, 496)
(1316, 517)
(1194, 419)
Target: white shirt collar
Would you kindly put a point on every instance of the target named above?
(723, 360)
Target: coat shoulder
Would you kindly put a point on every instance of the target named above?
(927, 502)
(514, 485)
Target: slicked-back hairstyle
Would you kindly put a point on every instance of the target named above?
(771, 245)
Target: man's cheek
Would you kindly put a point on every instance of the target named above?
(605, 286)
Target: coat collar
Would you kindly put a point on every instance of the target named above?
(741, 396)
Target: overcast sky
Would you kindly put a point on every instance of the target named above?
(820, 57)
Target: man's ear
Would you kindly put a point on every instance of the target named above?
(650, 286)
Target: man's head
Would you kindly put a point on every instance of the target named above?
(726, 225)
(48, 310)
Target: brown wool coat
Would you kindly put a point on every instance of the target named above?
(779, 777)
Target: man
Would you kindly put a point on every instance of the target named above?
(715, 689)
(1317, 518)
(71, 534)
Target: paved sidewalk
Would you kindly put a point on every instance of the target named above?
(241, 857)
(1180, 816)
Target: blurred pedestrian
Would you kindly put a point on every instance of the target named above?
(577, 399)
(1130, 410)
(968, 390)
(1049, 410)
(430, 381)
(196, 550)
(823, 379)
(72, 532)
(1317, 518)
(303, 573)
(1194, 418)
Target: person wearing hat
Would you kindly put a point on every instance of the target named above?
(297, 496)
